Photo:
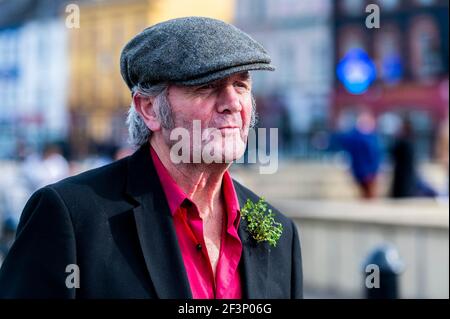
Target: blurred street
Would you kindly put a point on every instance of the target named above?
(338, 229)
(359, 102)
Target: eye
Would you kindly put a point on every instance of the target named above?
(242, 85)
(205, 87)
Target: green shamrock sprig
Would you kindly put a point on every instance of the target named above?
(261, 224)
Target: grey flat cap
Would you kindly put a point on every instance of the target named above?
(190, 51)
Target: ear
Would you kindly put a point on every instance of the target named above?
(145, 107)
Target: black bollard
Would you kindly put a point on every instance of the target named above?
(382, 268)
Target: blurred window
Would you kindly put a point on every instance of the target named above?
(388, 54)
(425, 2)
(320, 54)
(426, 61)
(389, 5)
(287, 71)
(352, 7)
(243, 10)
(350, 37)
(299, 9)
(389, 123)
(258, 10)
(423, 129)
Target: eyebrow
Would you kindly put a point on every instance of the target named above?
(244, 75)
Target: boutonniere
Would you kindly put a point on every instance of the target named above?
(261, 224)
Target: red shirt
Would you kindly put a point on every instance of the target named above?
(189, 230)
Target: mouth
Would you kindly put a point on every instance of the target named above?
(229, 127)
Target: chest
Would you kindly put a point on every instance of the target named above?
(212, 233)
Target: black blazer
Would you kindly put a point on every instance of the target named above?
(114, 223)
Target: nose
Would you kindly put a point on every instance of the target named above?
(228, 100)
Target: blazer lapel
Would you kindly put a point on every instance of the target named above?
(255, 256)
(155, 228)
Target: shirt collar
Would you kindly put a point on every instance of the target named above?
(176, 196)
(231, 201)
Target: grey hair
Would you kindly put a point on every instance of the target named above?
(255, 117)
(138, 132)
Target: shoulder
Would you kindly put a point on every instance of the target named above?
(85, 195)
(103, 179)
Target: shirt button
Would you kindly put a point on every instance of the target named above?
(199, 247)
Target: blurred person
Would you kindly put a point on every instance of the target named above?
(442, 149)
(50, 167)
(99, 154)
(35, 171)
(146, 226)
(22, 149)
(285, 128)
(362, 145)
(7, 237)
(406, 181)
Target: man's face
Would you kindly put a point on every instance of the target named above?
(224, 110)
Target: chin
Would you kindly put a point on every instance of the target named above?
(225, 151)
(232, 152)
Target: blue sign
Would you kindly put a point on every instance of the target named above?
(356, 71)
(392, 68)
(11, 73)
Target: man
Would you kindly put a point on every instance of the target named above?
(362, 145)
(148, 226)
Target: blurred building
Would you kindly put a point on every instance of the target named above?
(33, 73)
(409, 52)
(298, 36)
(99, 99)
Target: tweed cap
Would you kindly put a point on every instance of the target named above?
(190, 51)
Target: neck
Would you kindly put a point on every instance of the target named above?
(200, 182)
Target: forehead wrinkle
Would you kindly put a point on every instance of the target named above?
(191, 89)
(243, 76)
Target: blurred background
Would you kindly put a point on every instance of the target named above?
(360, 98)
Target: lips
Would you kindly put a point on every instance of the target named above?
(228, 127)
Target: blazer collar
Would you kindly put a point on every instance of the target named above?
(160, 248)
(255, 256)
